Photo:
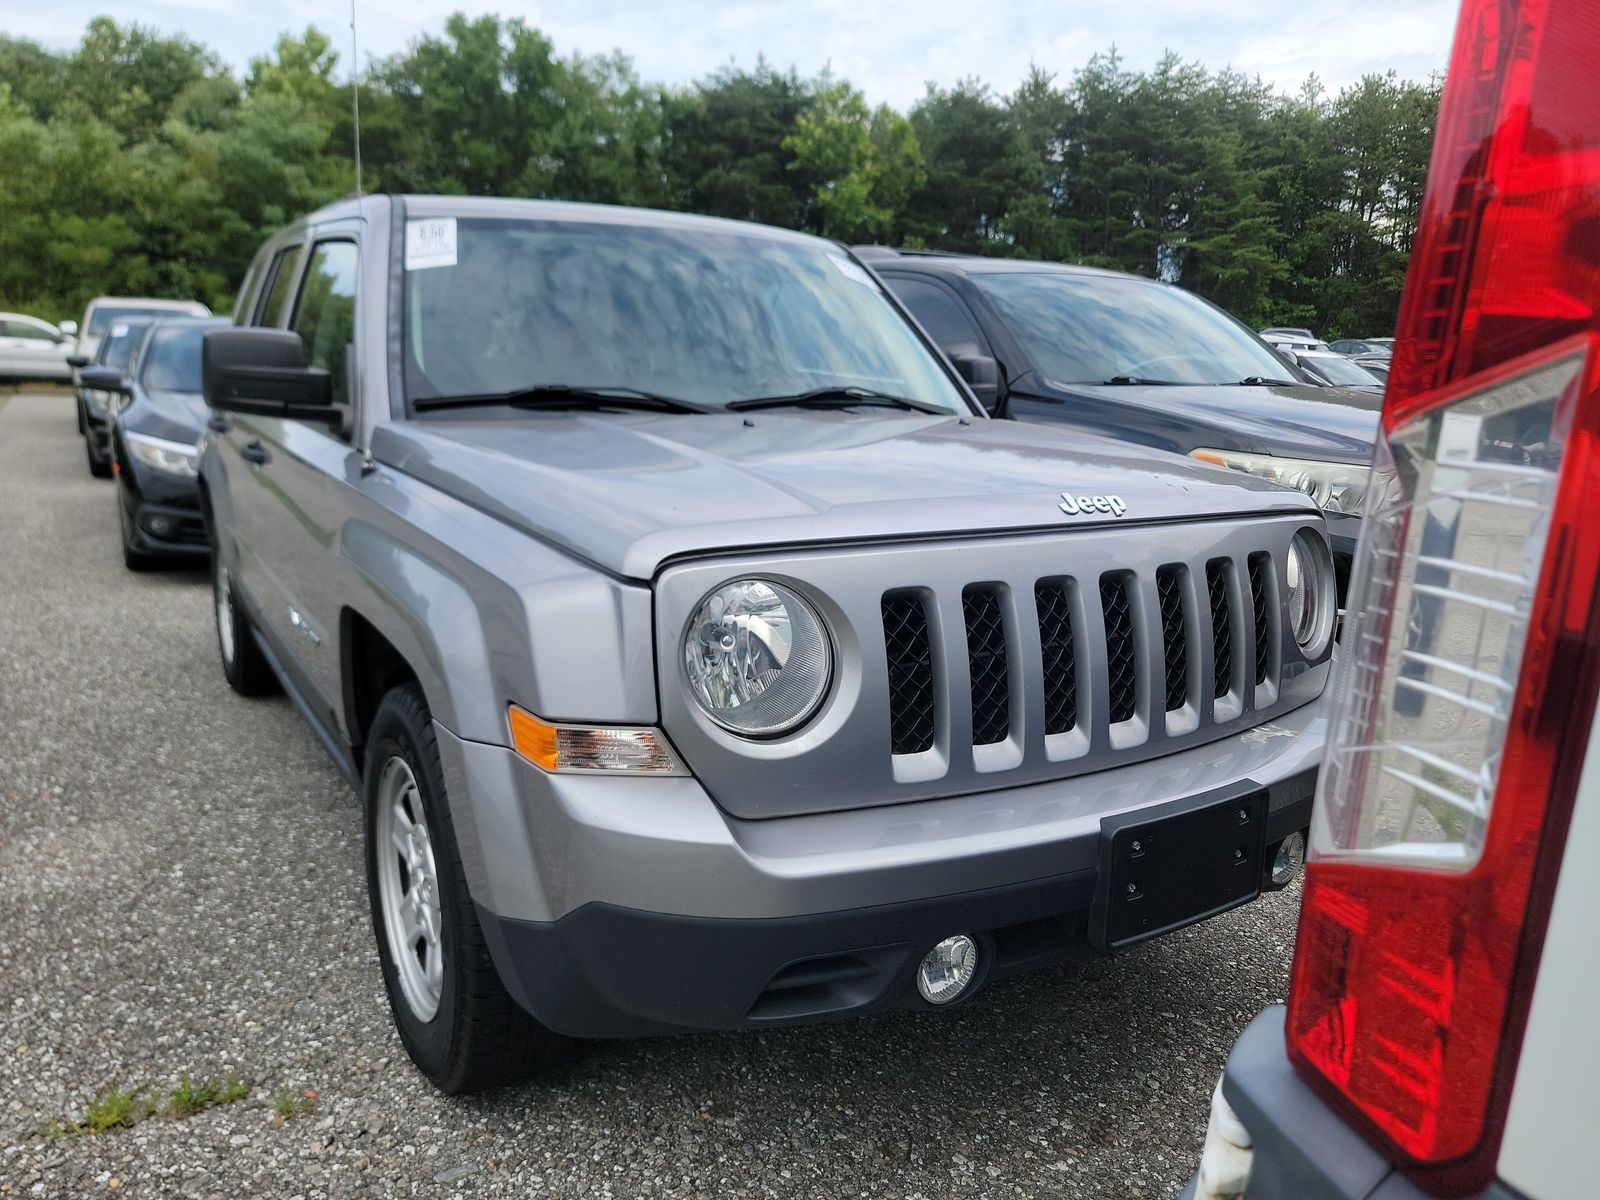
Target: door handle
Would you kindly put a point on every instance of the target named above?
(255, 452)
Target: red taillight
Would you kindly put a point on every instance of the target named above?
(1468, 681)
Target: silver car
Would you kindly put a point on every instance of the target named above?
(34, 349)
(705, 657)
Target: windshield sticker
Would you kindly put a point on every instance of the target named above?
(852, 272)
(430, 243)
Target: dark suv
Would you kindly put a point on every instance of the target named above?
(1129, 358)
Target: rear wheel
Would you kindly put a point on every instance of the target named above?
(455, 1017)
(243, 665)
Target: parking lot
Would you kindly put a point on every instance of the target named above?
(181, 896)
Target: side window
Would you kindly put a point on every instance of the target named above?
(244, 304)
(325, 317)
(281, 278)
(944, 317)
(27, 329)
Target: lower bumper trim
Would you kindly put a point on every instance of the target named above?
(603, 970)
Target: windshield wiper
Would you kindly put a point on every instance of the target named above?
(563, 395)
(840, 397)
(1254, 381)
(1139, 380)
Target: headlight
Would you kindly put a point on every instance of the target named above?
(756, 657)
(99, 401)
(1309, 570)
(175, 458)
(1338, 488)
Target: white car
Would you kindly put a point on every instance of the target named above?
(103, 311)
(1291, 339)
(34, 349)
(1440, 1036)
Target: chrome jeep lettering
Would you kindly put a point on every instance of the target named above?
(1075, 506)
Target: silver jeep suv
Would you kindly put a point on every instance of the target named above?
(705, 656)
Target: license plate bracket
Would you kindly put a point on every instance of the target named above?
(1175, 864)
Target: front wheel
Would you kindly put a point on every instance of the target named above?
(455, 1017)
(99, 467)
(243, 665)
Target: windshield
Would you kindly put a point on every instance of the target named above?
(1094, 328)
(700, 314)
(172, 363)
(118, 346)
(1342, 370)
(101, 318)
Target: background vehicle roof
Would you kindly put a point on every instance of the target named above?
(976, 264)
(149, 301)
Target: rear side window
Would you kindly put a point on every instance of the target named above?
(944, 317)
(325, 317)
(282, 277)
(25, 329)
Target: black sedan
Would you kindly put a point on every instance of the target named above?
(1128, 358)
(154, 443)
(97, 405)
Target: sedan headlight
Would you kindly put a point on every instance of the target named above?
(99, 401)
(756, 657)
(175, 458)
(1338, 488)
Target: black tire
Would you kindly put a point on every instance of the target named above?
(83, 421)
(478, 1037)
(100, 468)
(246, 669)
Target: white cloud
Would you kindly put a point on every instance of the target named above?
(889, 50)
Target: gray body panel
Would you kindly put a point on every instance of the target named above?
(537, 846)
(629, 492)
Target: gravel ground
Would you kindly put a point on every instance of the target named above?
(181, 895)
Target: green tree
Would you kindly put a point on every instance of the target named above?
(724, 148)
(136, 162)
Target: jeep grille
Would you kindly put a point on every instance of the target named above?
(990, 649)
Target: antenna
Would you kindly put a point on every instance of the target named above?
(355, 90)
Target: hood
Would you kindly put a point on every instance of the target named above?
(1297, 419)
(627, 492)
(176, 416)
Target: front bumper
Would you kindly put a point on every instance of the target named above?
(163, 514)
(1300, 1149)
(616, 907)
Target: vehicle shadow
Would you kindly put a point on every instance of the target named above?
(1051, 1083)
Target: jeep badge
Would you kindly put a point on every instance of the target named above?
(1077, 506)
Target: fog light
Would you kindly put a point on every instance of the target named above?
(948, 969)
(1290, 858)
(160, 526)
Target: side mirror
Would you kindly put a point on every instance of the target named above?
(263, 372)
(104, 379)
(982, 374)
(77, 361)
(68, 329)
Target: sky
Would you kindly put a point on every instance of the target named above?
(889, 50)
